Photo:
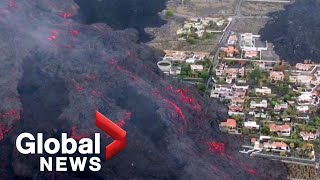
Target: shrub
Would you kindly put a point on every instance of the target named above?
(169, 13)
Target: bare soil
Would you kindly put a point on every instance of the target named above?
(260, 8)
(203, 7)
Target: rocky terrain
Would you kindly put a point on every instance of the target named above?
(54, 74)
(302, 172)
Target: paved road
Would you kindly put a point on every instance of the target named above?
(237, 15)
(224, 38)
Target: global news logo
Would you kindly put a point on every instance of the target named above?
(26, 143)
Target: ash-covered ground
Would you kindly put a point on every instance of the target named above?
(54, 74)
(295, 32)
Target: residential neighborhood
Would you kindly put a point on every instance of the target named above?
(272, 103)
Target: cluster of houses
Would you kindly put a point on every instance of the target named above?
(173, 61)
(257, 111)
(198, 26)
(244, 46)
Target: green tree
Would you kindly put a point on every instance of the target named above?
(207, 35)
(292, 145)
(317, 121)
(286, 97)
(169, 13)
(295, 136)
(245, 131)
(186, 68)
(265, 130)
(201, 87)
(256, 75)
(273, 103)
(191, 40)
(204, 75)
(282, 153)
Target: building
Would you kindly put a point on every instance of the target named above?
(281, 130)
(303, 109)
(222, 91)
(280, 107)
(230, 123)
(247, 41)
(304, 79)
(233, 39)
(304, 67)
(308, 136)
(183, 56)
(196, 68)
(262, 104)
(230, 51)
(250, 42)
(250, 54)
(175, 70)
(251, 125)
(220, 70)
(276, 75)
(263, 91)
(175, 56)
(305, 99)
(276, 146)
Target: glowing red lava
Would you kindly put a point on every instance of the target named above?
(67, 15)
(79, 88)
(96, 93)
(178, 111)
(54, 36)
(217, 147)
(122, 122)
(76, 136)
(12, 4)
(4, 131)
(15, 114)
(125, 71)
(250, 170)
(185, 98)
(75, 32)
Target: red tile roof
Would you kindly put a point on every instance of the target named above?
(229, 123)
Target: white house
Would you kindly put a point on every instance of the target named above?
(303, 109)
(276, 146)
(263, 90)
(262, 104)
(251, 125)
(282, 106)
(248, 42)
(195, 67)
(307, 136)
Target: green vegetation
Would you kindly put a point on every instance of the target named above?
(186, 70)
(265, 130)
(169, 13)
(207, 35)
(282, 153)
(206, 63)
(205, 75)
(192, 40)
(201, 87)
(316, 121)
(257, 75)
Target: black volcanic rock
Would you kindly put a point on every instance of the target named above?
(295, 31)
(54, 74)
